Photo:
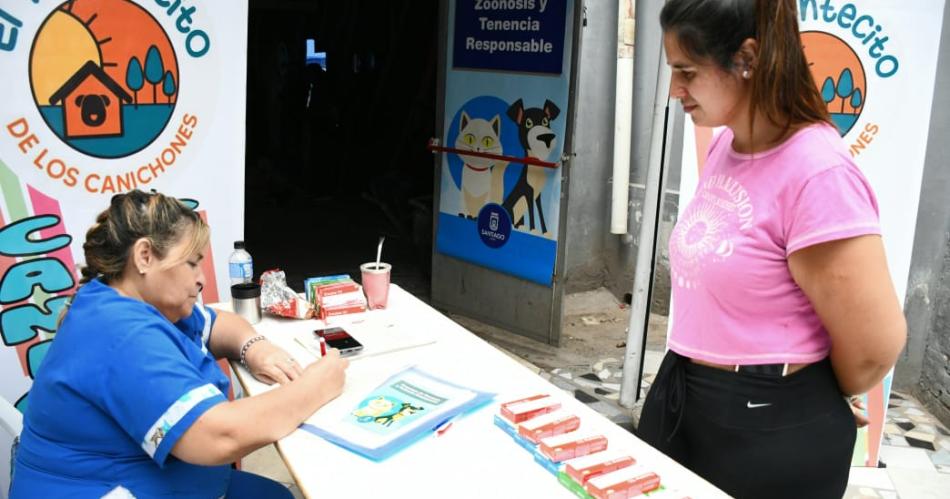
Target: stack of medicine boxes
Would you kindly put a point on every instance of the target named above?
(578, 456)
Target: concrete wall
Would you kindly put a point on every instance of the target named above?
(588, 208)
(620, 253)
(925, 364)
(595, 257)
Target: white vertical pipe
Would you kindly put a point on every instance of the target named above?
(623, 119)
(640, 306)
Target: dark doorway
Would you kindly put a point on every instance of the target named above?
(340, 106)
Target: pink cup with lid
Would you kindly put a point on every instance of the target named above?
(376, 284)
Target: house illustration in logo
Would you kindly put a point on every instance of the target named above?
(92, 103)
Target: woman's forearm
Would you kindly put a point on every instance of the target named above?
(855, 378)
(859, 367)
(231, 430)
(238, 428)
(848, 284)
(229, 333)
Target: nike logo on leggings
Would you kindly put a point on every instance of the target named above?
(750, 405)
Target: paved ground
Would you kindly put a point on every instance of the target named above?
(588, 364)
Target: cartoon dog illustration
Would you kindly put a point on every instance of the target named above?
(406, 409)
(481, 177)
(538, 140)
(384, 410)
(375, 408)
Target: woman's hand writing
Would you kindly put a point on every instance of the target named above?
(331, 373)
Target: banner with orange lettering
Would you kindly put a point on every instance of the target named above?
(101, 97)
(875, 64)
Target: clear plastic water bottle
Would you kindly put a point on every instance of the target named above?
(240, 265)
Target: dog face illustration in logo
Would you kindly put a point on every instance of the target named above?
(477, 135)
(539, 141)
(93, 108)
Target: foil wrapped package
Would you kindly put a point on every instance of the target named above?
(279, 299)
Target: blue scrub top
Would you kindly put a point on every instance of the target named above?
(117, 389)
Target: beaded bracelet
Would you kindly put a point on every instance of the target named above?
(247, 344)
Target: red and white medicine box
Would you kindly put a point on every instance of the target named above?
(548, 425)
(341, 310)
(521, 410)
(626, 482)
(571, 445)
(350, 298)
(584, 468)
(337, 288)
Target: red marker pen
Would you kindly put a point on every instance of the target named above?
(323, 346)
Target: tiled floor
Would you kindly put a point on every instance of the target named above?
(916, 455)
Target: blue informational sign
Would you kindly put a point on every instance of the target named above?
(494, 210)
(510, 35)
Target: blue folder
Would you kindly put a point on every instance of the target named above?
(395, 402)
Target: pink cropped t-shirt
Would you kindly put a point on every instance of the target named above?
(734, 299)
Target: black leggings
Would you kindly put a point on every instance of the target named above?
(753, 435)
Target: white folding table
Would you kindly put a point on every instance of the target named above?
(474, 458)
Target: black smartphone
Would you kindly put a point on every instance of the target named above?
(337, 337)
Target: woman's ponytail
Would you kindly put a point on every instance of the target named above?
(783, 88)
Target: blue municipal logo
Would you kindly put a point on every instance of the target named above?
(494, 225)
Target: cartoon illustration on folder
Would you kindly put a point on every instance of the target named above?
(393, 405)
(384, 410)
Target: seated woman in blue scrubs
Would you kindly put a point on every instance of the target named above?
(129, 398)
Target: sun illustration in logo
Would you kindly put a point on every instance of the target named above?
(104, 76)
(840, 77)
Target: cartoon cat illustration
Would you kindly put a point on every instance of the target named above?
(481, 177)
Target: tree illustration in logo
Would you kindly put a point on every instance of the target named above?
(135, 79)
(154, 70)
(844, 90)
(168, 86)
(856, 99)
(837, 68)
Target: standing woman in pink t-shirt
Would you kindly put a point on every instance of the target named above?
(782, 300)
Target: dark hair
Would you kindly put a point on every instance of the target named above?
(163, 220)
(782, 84)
